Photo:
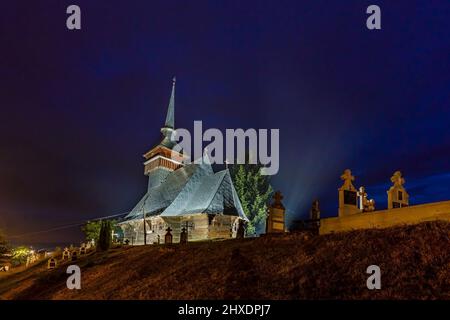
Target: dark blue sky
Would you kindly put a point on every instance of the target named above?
(79, 108)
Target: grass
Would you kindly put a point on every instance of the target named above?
(414, 262)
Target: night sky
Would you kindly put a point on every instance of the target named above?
(79, 108)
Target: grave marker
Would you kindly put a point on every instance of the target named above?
(74, 255)
(275, 222)
(347, 195)
(183, 236)
(66, 254)
(397, 195)
(51, 264)
(168, 237)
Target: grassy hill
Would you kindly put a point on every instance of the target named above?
(414, 262)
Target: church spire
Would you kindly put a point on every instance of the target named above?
(170, 118)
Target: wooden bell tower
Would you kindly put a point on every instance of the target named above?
(161, 160)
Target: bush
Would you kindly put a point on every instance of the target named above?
(20, 255)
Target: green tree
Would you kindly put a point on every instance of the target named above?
(91, 230)
(254, 191)
(20, 255)
(105, 237)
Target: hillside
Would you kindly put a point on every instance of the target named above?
(414, 260)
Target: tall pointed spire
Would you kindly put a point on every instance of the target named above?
(170, 118)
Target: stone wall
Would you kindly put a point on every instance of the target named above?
(387, 218)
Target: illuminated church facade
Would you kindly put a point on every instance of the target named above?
(182, 196)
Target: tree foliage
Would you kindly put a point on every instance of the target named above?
(254, 191)
(91, 230)
(105, 236)
(20, 255)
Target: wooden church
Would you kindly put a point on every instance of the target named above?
(182, 196)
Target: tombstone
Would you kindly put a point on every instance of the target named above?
(370, 205)
(397, 195)
(74, 256)
(51, 264)
(5, 268)
(183, 236)
(66, 254)
(362, 198)
(314, 213)
(347, 195)
(364, 204)
(275, 222)
(240, 233)
(168, 237)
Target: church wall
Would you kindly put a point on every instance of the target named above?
(200, 227)
(223, 227)
(387, 218)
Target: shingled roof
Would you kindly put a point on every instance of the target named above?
(194, 188)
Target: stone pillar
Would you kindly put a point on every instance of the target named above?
(397, 195)
(276, 215)
(347, 195)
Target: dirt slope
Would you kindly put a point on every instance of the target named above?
(414, 261)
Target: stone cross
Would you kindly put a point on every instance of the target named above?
(168, 236)
(183, 236)
(347, 177)
(362, 194)
(278, 197)
(397, 179)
